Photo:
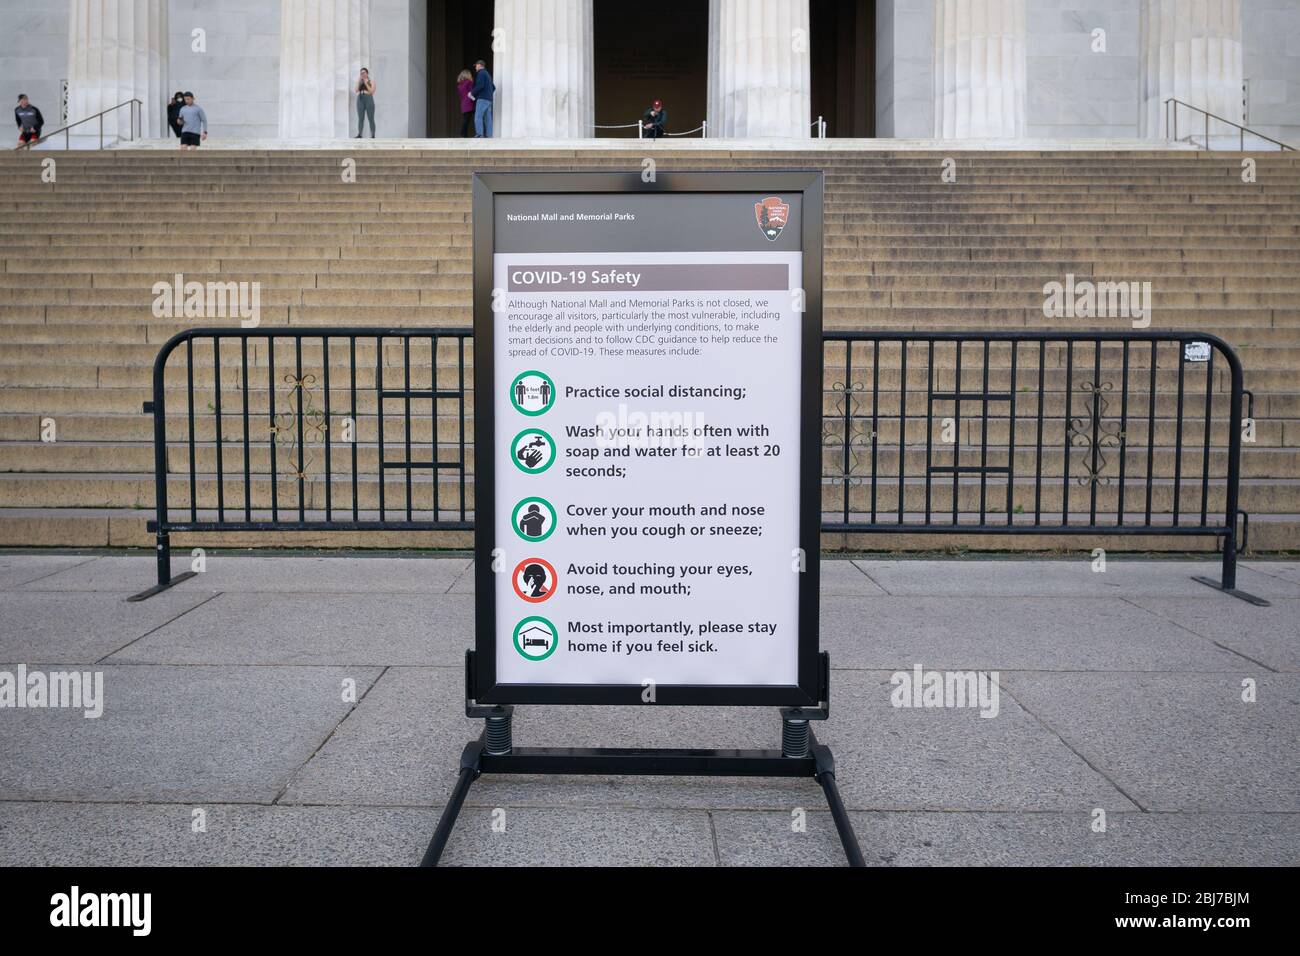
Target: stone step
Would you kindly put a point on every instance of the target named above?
(86, 284)
(903, 252)
(1274, 351)
(847, 317)
(449, 292)
(943, 377)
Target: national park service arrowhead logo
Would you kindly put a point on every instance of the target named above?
(772, 215)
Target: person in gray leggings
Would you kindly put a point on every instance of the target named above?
(365, 103)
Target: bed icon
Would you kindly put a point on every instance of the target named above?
(535, 638)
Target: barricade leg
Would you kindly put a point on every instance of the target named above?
(163, 554)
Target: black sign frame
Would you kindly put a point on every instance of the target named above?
(810, 689)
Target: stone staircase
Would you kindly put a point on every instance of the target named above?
(904, 250)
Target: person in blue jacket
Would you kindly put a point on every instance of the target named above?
(481, 93)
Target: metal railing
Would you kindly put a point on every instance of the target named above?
(702, 129)
(1047, 433)
(819, 126)
(1029, 433)
(313, 429)
(135, 105)
(1171, 126)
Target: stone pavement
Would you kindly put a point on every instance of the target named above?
(1119, 691)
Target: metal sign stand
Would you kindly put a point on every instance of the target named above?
(494, 752)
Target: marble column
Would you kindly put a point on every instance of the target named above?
(543, 66)
(979, 69)
(759, 56)
(323, 46)
(117, 51)
(1191, 50)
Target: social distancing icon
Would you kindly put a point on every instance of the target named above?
(532, 393)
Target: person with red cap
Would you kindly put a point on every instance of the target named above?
(653, 120)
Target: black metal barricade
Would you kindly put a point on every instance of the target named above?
(311, 429)
(1045, 433)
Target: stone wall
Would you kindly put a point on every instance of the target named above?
(1074, 92)
(236, 79)
(1271, 59)
(33, 57)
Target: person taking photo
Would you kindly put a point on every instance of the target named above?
(365, 103)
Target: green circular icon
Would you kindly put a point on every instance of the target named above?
(540, 389)
(532, 515)
(536, 638)
(532, 455)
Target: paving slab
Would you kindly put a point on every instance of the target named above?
(1285, 571)
(116, 834)
(580, 836)
(355, 628)
(1011, 633)
(133, 834)
(226, 734)
(341, 574)
(1119, 690)
(402, 746)
(1179, 742)
(800, 836)
(18, 569)
(897, 758)
(1270, 635)
(81, 627)
(464, 583)
(1034, 577)
(1014, 839)
(840, 576)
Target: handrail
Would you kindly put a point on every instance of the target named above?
(67, 138)
(1171, 127)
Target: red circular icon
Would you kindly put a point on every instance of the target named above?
(534, 580)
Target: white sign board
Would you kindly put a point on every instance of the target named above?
(647, 441)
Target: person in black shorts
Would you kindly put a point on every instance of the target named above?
(193, 122)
